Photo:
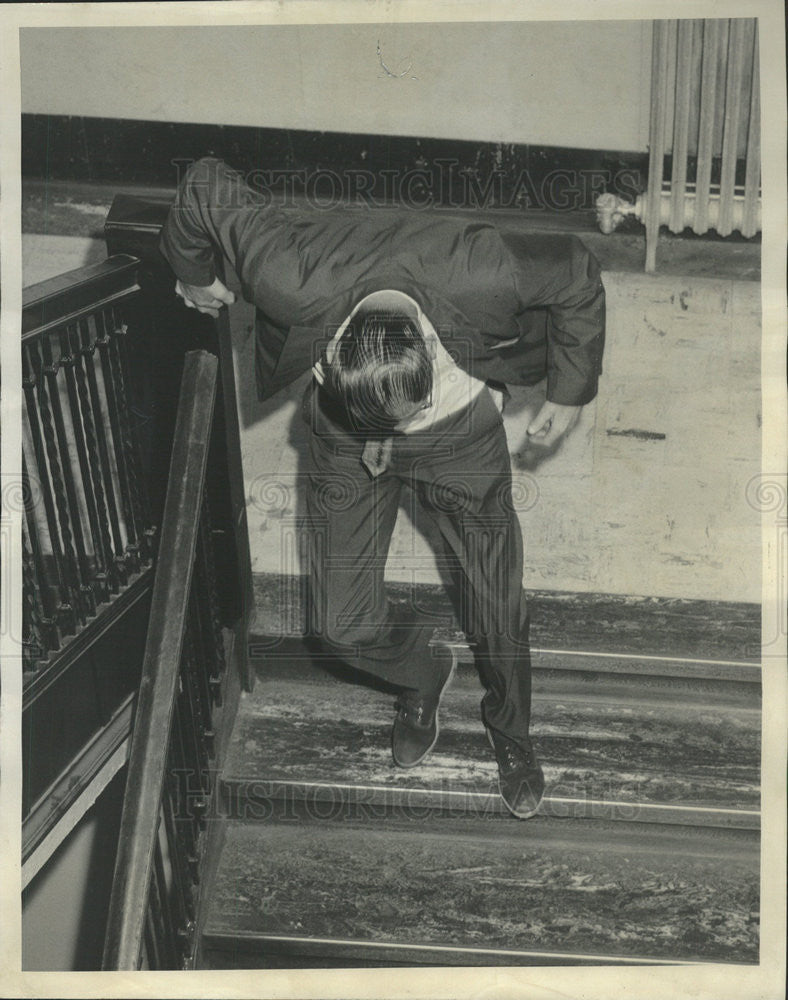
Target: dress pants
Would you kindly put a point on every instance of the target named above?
(459, 472)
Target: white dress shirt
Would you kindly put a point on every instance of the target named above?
(452, 388)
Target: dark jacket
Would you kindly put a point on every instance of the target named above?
(480, 284)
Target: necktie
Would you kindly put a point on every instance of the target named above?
(377, 455)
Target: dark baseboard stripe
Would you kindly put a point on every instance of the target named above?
(416, 169)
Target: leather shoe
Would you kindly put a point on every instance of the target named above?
(520, 777)
(416, 727)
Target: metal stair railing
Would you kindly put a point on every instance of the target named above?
(152, 913)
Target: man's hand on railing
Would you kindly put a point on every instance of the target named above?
(205, 298)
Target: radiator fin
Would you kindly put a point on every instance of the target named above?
(705, 111)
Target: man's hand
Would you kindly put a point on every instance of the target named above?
(205, 298)
(551, 423)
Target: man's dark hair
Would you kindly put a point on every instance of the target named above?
(380, 361)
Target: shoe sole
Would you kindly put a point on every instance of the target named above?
(449, 678)
(514, 812)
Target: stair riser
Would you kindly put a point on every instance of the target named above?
(233, 951)
(611, 678)
(259, 801)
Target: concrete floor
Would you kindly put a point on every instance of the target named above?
(44, 256)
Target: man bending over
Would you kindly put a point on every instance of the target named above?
(412, 325)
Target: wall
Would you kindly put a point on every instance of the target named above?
(64, 909)
(575, 84)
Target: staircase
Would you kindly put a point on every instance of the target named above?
(646, 849)
(300, 843)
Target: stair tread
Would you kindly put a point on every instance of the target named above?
(696, 628)
(539, 886)
(302, 724)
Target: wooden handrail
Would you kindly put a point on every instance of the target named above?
(160, 671)
(66, 297)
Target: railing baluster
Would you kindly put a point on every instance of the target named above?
(190, 796)
(83, 354)
(156, 918)
(181, 878)
(50, 632)
(31, 383)
(151, 943)
(119, 334)
(192, 799)
(114, 503)
(161, 904)
(200, 630)
(211, 623)
(32, 608)
(70, 362)
(57, 458)
(188, 714)
(104, 341)
(65, 486)
(139, 493)
(189, 785)
(181, 895)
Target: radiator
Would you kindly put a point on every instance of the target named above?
(704, 133)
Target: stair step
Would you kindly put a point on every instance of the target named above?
(471, 891)
(610, 748)
(714, 630)
(722, 680)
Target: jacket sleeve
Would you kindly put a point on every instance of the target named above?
(558, 273)
(212, 210)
